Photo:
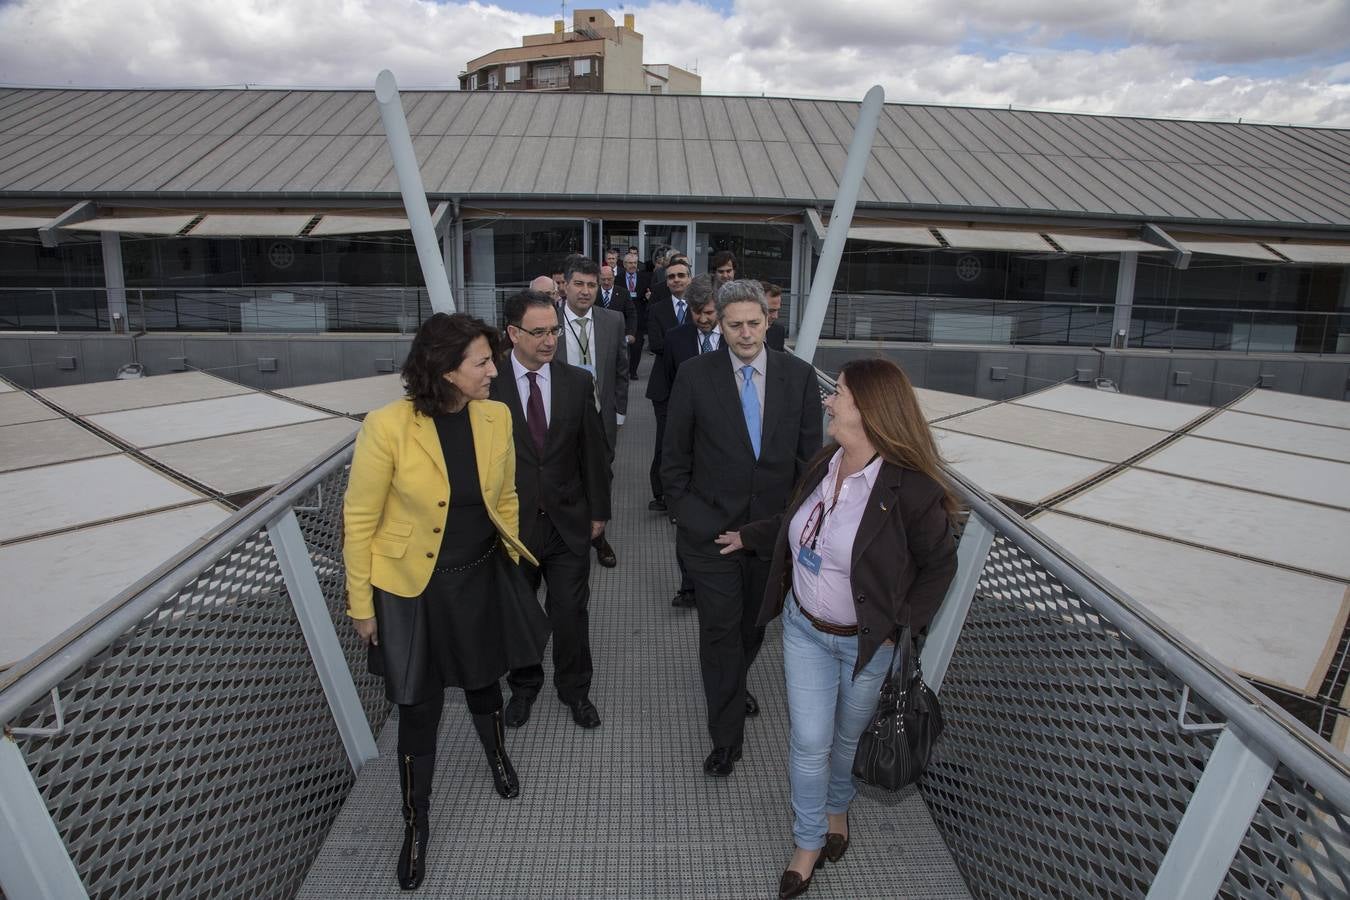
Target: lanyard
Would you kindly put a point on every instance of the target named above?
(814, 534)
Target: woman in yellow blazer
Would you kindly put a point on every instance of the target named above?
(431, 544)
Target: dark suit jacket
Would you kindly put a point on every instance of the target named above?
(638, 297)
(660, 319)
(611, 367)
(620, 303)
(681, 344)
(570, 480)
(904, 556)
(711, 478)
(776, 337)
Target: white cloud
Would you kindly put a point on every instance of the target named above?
(1188, 58)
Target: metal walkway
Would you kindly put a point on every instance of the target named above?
(625, 810)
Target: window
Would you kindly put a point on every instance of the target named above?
(473, 82)
(512, 74)
(494, 82)
(655, 89)
(581, 67)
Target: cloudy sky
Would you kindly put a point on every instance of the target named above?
(1284, 61)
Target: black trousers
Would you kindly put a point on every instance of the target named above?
(635, 351)
(659, 408)
(728, 591)
(566, 576)
(419, 722)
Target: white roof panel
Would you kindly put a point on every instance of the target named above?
(1239, 249)
(52, 583)
(135, 225)
(992, 239)
(178, 422)
(1256, 469)
(1086, 243)
(351, 397)
(6, 387)
(936, 404)
(46, 442)
(22, 223)
(17, 408)
(330, 225)
(905, 236)
(254, 459)
(1061, 432)
(1024, 474)
(1222, 518)
(1297, 408)
(251, 225)
(70, 494)
(1332, 254)
(1278, 434)
(135, 393)
(1227, 606)
(1141, 411)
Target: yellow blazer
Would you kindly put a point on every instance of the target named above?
(399, 491)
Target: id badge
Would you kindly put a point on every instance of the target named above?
(809, 559)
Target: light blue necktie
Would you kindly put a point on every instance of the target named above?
(750, 406)
(679, 311)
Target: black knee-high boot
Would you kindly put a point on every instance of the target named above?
(493, 738)
(414, 775)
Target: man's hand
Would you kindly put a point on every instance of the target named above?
(628, 339)
(366, 630)
(597, 529)
(730, 541)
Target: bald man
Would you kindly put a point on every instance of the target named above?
(546, 285)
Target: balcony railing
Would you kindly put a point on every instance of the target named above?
(200, 734)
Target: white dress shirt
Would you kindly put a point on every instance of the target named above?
(523, 386)
(829, 595)
(572, 329)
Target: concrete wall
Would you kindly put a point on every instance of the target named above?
(623, 65)
(996, 373)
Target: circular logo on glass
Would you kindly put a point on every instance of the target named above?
(281, 255)
(968, 267)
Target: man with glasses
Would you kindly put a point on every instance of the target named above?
(593, 339)
(661, 318)
(562, 479)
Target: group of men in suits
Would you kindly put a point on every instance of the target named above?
(737, 423)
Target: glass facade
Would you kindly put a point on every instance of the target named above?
(502, 256)
(43, 288)
(762, 251)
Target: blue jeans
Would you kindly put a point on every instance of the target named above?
(828, 710)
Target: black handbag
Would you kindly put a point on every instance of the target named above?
(895, 748)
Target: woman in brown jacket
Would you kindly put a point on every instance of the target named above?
(864, 549)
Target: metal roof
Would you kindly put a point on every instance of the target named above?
(292, 144)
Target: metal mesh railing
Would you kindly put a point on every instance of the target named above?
(1298, 846)
(1063, 772)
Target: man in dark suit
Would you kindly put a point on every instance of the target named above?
(661, 318)
(610, 298)
(562, 479)
(635, 286)
(742, 424)
(593, 339)
(776, 337)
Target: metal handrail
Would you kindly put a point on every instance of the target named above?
(1259, 718)
(34, 676)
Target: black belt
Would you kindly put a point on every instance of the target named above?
(468, 566)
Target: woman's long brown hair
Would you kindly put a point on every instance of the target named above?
(893, 421)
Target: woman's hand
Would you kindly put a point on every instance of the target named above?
(366, 630)
(730, 541)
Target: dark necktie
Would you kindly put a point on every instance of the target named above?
(606, 299)
(632, 284)
(534, 412)
(705, 343)
(679, 311)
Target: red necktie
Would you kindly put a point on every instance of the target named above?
(534, 412)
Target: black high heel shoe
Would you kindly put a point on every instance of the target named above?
(414, 775)
(493, 739)
(794, 885)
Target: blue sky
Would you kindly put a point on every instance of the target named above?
(1285, 61)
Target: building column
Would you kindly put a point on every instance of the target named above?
(1120, 322)
(114, 281)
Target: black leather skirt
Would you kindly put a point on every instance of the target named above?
(466, 630)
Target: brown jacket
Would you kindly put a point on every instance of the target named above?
(904, 556)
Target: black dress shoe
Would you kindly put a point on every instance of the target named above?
(794, 885)
(684, 600)
(604, 553)
(517, 710)
(657, 505)
(722, 761)
(751, 704)
(584, 712)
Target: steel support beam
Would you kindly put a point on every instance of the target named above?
(1180, 257)
(34, 862)
(312, 611)
(114, 281)
(1124, 309)
(1216, 820)
(841, 217)
(414, 195)
(945, 629)
(83, 211)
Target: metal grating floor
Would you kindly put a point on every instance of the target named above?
(625, 810)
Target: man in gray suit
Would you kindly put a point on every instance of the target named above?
(594, 340)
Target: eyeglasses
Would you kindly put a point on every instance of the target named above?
(540, 332)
